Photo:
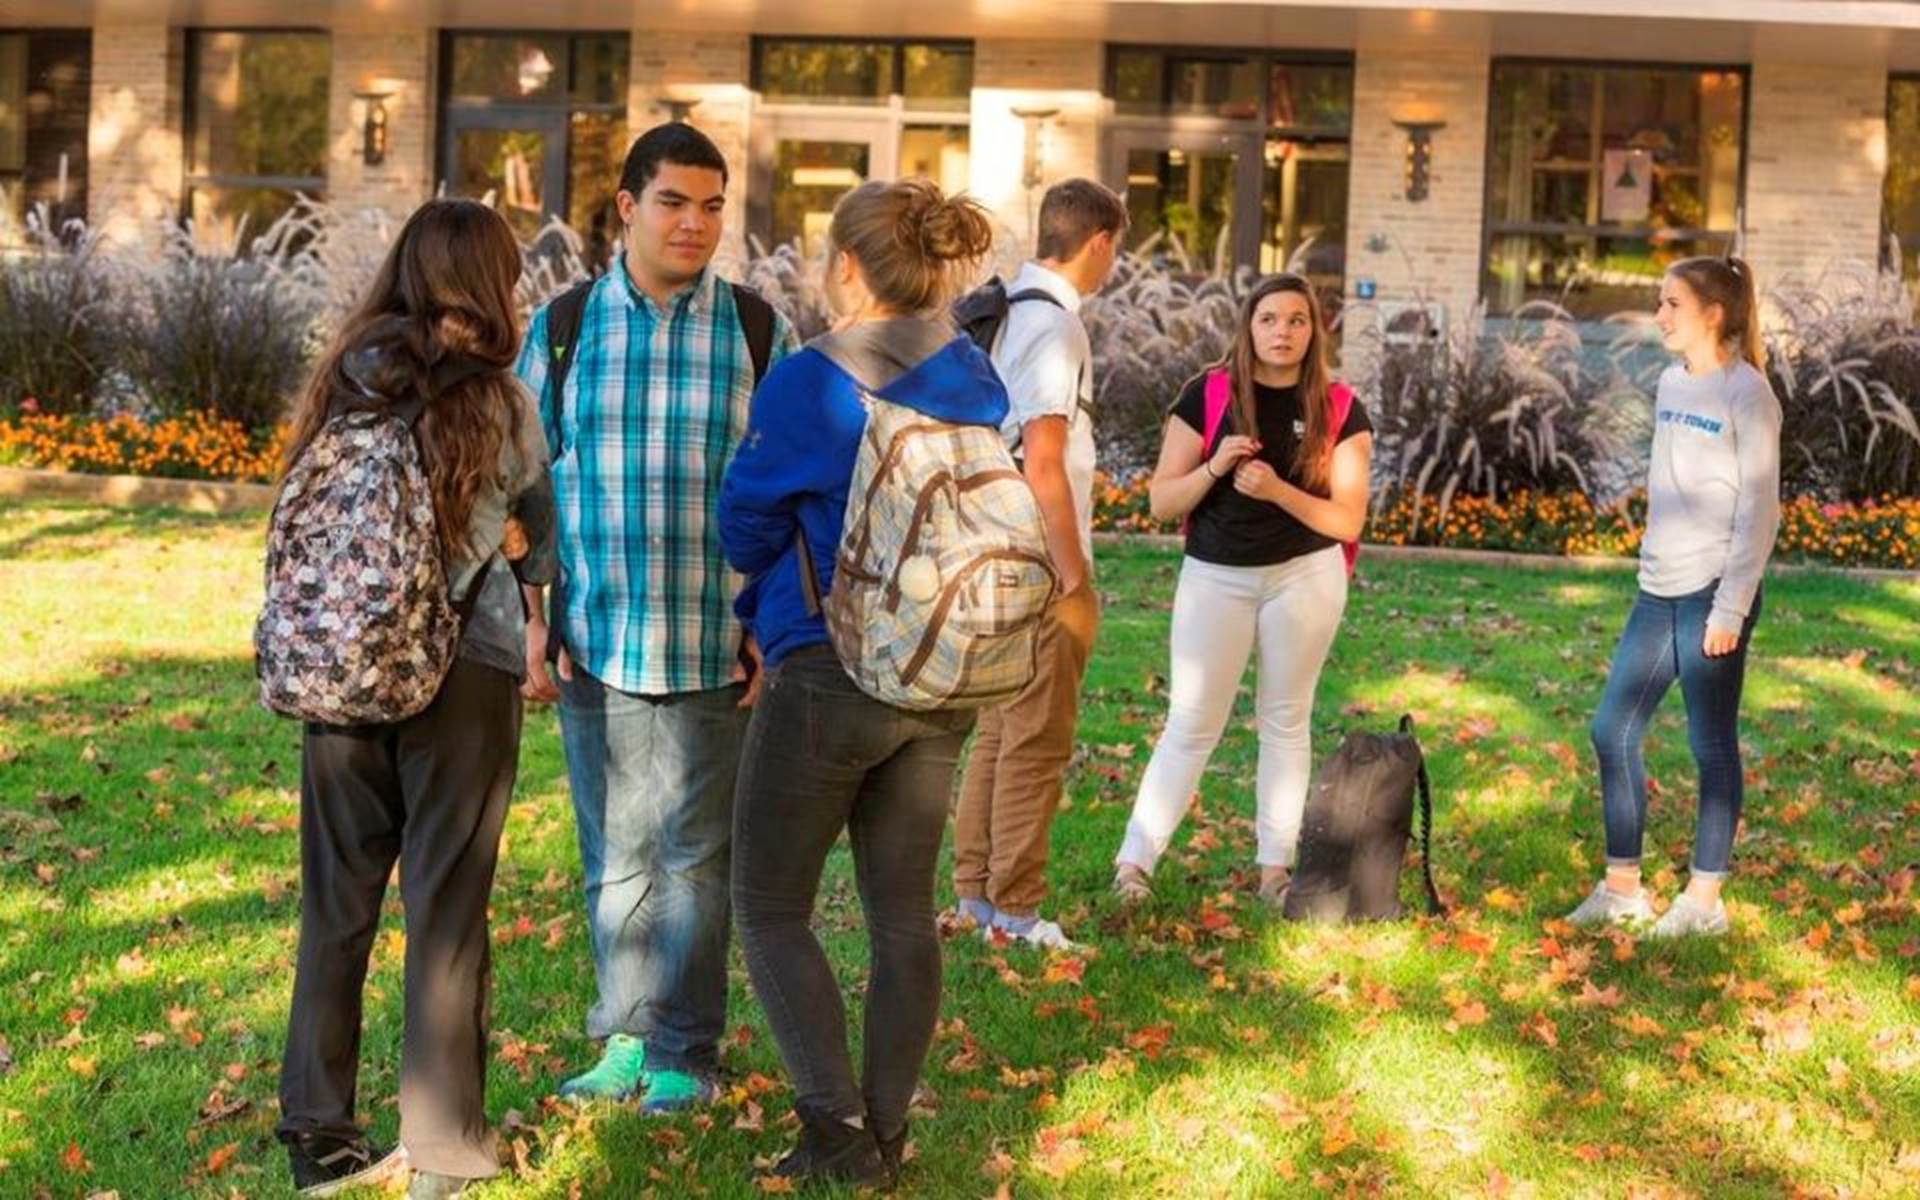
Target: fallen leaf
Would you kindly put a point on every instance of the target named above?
(217, 1160)
(74, 1161)
(1502, 899)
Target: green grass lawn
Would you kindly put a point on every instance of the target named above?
(1199, 1048)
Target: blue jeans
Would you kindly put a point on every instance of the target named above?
(652, 780)
(1662, 642)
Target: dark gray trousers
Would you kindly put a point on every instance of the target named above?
(429, 793)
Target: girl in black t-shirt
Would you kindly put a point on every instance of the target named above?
(1271, 474)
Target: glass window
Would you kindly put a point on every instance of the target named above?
(257, 124)
(520, 68)
(809, 179)
(928, 75)
(942, 153)
(826, 72)
(1601, 176)
(44, 103)
(1902, 186)
(1305, 97)
(937, 76)
(1280, 202)
(1180, 205)
(536, 123)
(1215, 87)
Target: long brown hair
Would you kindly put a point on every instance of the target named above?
(1727, 282)
(445, 292)
(1310, 460)
(916, 247)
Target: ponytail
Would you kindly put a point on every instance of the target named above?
(1728, 282)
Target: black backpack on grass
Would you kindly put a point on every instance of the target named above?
(1353, 836)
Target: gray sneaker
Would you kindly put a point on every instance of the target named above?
(1604, 906)
(1689, 918)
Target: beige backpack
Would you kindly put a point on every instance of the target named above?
(943, 575)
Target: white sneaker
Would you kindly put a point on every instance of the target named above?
(1604, 906)
(1687, 917)
(1047, 935)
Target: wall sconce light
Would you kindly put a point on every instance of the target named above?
(1419, 129)
(373, 131)
(679, 109)
(1033, 166)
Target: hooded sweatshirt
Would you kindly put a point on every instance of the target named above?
(790, 476)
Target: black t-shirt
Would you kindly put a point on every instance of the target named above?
(1238, 531)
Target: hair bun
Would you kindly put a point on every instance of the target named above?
(949, 229)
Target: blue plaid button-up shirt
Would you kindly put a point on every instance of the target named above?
(655, 403)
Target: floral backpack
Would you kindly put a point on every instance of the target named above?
(357, 627)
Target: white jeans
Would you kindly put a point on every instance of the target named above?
(1291, 612)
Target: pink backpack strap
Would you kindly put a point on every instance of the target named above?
(1219, 398)
(1340, 401)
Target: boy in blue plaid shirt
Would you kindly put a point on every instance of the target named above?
(651, 664)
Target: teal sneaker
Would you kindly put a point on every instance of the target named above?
(619, 1074)
(673, 1091)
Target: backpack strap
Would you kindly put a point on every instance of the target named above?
(1219, 398)
(1340, 402)
(563, 331)
(1434, 906)
(756, 321)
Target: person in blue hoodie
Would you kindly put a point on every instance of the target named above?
(821, 755)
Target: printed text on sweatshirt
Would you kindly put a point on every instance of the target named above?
(1713, 488)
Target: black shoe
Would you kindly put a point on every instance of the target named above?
(324, 1166)
(832, 1151)
(893, 1152)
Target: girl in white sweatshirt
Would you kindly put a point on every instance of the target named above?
(1713, 508)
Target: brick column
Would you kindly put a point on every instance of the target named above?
(400, 63)
(1032, 74)
(135, 164)
(713, 70)
(1816, 156)
(1428, 249)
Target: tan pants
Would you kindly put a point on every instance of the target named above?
(1015, 771)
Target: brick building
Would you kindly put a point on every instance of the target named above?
(1503, 150)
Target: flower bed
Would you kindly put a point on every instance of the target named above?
(195, 446)
(1882, 533)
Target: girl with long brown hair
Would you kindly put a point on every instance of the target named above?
(822, 756)
(1266, 457)
(435, 335)
(1713, 508)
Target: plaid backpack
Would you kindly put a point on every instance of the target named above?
(943, 575)
(357, 627)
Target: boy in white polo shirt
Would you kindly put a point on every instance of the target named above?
(1020, 752)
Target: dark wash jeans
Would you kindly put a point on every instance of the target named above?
(652, 780)
(822, 756)
(1661, 643)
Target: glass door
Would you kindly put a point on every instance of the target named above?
(516, 159)
(803, 164)
(1304, 215)
(1194, 197)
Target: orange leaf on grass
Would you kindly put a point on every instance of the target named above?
(217, 1161)
(1540, 1028)
(73, 1160)
(1818, 937)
